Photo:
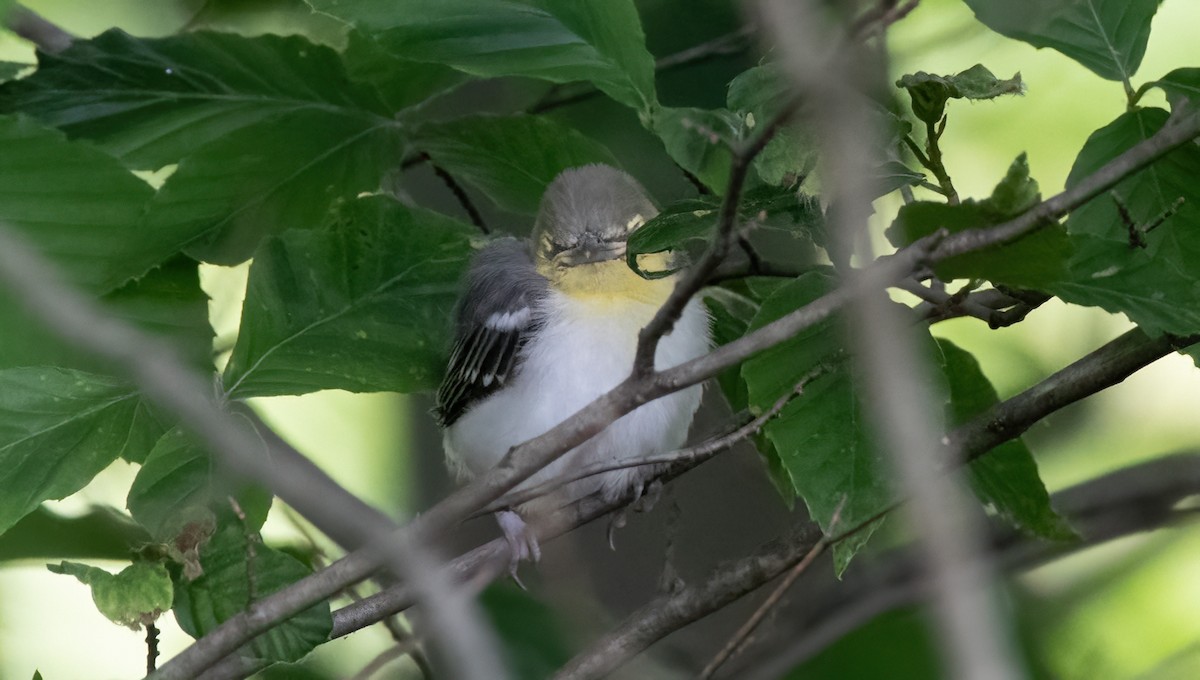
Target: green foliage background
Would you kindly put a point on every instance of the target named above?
(368, 262)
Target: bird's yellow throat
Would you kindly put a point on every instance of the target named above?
(614, 283)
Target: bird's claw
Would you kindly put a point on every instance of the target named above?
(522, 542)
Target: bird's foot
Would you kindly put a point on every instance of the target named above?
(649, 496)
(522, 542)
(645, 497)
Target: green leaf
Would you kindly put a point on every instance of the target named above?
(731, 315)
(699, 140)
(363, 305)
(1153, 285)
(278, 174)
(79, 206)
(400, 83)
(234, 576)
(1006, 477)
(561, 41)
(822, 443)
(892, 175)
(511, 159)
(1107, 36)
(532, 635)
(688, 225)
(1128, 281)
(10, 69)
(1181, 84)
(153, 101)
(1034, 261)
(166, 302)
(178, 484)
(135, 597)
(58, 429)
(930, 92)
(758, 96)
(102, 533)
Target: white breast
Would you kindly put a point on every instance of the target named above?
(582, 351)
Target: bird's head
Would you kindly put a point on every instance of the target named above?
(583, 224)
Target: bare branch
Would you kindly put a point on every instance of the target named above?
(33, 27)
(1131, 500)
(1103, 368)
(689, 457)
(1107, 366)
(154, 367)
(698, 275)
(742, 636)
(973, 633)
(666, 613)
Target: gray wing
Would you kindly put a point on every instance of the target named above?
(500, 309)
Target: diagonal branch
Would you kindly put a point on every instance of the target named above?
(1104, 367)
(1139, 498)
(698, 275)
(154, 367)
(35, 28)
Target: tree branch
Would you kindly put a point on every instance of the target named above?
(1107, 366)
(698, 275)
(1125, 502)
(30, 25)
(154, 367)
(972, 633)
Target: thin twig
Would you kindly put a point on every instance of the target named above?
(691, 456)
(151, 647)
(742, 636)
(384, 658)
(1124, 502)
(696, 276)
(460, 195)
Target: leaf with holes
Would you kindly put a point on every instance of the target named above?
(508, 157)
(235, 575)
(599, 41)
(758, 95)
(58, 429)
(135, 597)
(363, 304)
(1107, 36)
(929, 92)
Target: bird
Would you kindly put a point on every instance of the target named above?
(547, 325)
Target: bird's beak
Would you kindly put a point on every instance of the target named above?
(591, 252)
